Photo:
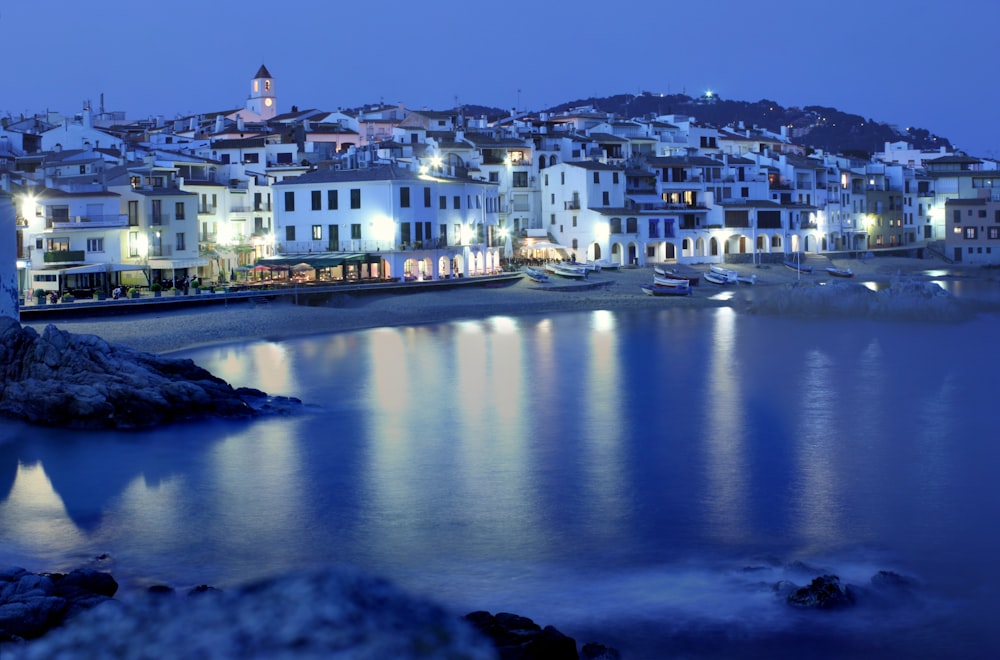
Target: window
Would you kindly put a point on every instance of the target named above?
(289, 200)
(614, 177)
(404, 197)
(574, 221)
(179, 210)
(427, 197)
(333, 231)
(597, 177)
(494, 177)
(993, 233)
(180, 242)
(157, 212)
(519, 179)
(606, 198)
(290, 233)
(317, 199)
(317, 232)
(251, 158)
(457, 202)
(562, 178)
(97, 244)
(133, 213)
(133, 244)
(442, 202)
(982, 213)
(331, 200)
(355, 198)
(970, 233)
(356, 231)
(552, 219)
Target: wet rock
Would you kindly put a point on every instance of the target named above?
(519, 638)
(31, 604)
(80, 381)
(823, 593)
(324, 614)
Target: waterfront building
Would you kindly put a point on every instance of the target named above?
(972, 229)
(421, 223)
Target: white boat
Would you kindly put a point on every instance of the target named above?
(566, 270)
(716, 278)
(604, 264)
(589, 266)
(674, 282)
(747, 279)
(729, 275)
(536, 274)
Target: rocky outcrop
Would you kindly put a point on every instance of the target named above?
(334, 613)
(517, 637)
(81, 381)
(902, 300)
(823, 593)
(33, 603)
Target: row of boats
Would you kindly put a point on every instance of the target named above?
(667, 281)
(568, 269)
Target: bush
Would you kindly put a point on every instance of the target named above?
(155, 286)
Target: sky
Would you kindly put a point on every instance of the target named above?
(930, 65)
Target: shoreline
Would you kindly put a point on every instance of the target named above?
(170, 330)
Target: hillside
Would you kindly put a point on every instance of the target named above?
(814, 126)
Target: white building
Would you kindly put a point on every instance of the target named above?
(424, 225)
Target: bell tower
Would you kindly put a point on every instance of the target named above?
(262, 101)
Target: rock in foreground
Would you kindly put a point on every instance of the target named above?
(327, 614)
(33, 603)
(81, 381)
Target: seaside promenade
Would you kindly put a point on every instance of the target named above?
(170, 324)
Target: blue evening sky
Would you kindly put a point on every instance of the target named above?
(931, 65)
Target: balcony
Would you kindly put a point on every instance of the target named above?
(208, 209)
(93, 221)
(572, 206)
(157, 219)
(240, 208)
(63, 256)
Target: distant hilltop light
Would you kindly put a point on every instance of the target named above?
(708, 93)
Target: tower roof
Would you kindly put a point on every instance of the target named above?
(262, 72)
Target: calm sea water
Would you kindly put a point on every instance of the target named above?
(638, 479)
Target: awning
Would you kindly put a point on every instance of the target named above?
(117, 268)
(167, 264)
(543, 245)
(325, 260)
(75, 270)
(646, 199)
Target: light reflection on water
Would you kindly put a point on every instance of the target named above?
(587, 470)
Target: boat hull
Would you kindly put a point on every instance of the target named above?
(840, 272)
(658, 290)
(562, 270)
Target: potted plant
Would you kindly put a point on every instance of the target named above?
(100, 295)
(196, 287)
(156, 288)
(67, 297)
(133, 292)
(40, 296)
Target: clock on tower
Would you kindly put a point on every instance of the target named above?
(262, 101)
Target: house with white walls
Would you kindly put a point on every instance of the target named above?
(418, 224)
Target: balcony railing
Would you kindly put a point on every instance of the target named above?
(63, 256)
(158, 219)
(92, 221)
(208, 209)
(572, 206)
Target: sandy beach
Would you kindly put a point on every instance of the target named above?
(175, 329)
